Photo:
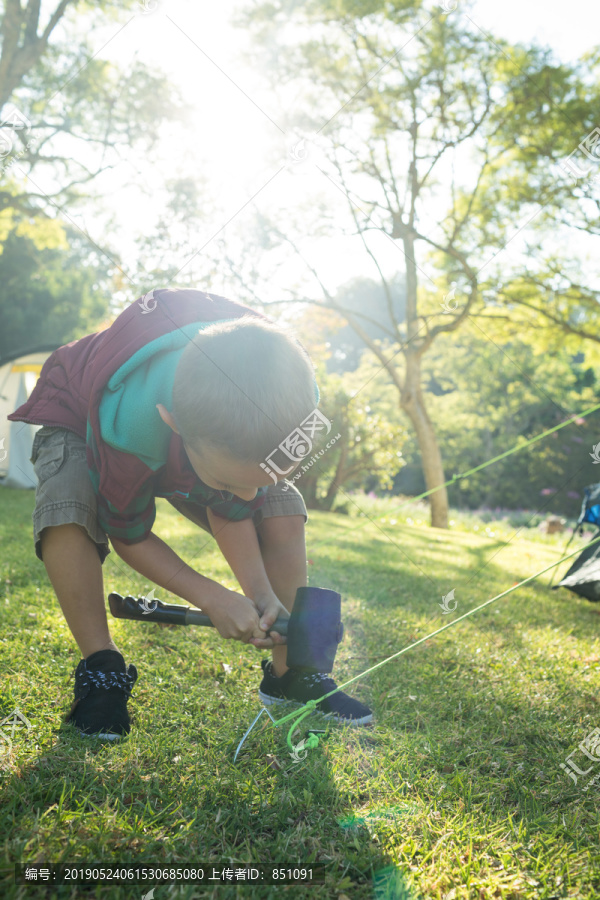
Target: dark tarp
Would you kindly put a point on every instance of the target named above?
(583, 577)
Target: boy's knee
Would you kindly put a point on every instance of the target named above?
(61, 531)
(282, 529)
(69, 539)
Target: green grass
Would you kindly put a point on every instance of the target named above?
(456, 792)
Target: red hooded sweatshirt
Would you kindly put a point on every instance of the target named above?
(73, 379)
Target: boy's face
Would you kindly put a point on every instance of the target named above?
(223, 473)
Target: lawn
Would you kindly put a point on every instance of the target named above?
(455, 792)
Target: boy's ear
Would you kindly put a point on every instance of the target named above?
(166, 417)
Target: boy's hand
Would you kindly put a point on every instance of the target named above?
(235, 617)
(269, 609)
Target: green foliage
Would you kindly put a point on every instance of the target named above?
(50, 295)
(487, 396)
(487, 390)
(369, 450)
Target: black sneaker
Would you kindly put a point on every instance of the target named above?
(103, 686)
(299, 687)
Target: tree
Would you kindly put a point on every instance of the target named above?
(66, 116)
(356, 295)
(58, 87)
(451, 122)
(50, 294)
(485, 403)
(365, 443)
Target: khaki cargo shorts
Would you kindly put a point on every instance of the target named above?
(64, 493)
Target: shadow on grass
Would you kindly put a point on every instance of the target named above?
(477, 719)
(169, 795)
(461, 735)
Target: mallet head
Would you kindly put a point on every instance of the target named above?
(314, 630)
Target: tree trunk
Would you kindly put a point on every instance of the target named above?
(413, 403)
(308, 488)
(338, 477)
(329, 498)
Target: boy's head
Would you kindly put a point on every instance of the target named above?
(240, 388)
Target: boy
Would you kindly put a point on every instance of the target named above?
(182, 397)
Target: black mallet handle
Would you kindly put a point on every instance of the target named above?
(168, 613)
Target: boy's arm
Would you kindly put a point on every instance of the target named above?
(239, 545)
(233, 614)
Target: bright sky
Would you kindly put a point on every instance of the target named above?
(235, 139)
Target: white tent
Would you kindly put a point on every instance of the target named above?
(18, 375)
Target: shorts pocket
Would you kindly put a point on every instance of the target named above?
(49, 459)
(40, 439)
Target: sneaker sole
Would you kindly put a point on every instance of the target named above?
(103, 736)
(267, 700)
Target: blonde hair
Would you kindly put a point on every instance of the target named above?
(242, 386)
